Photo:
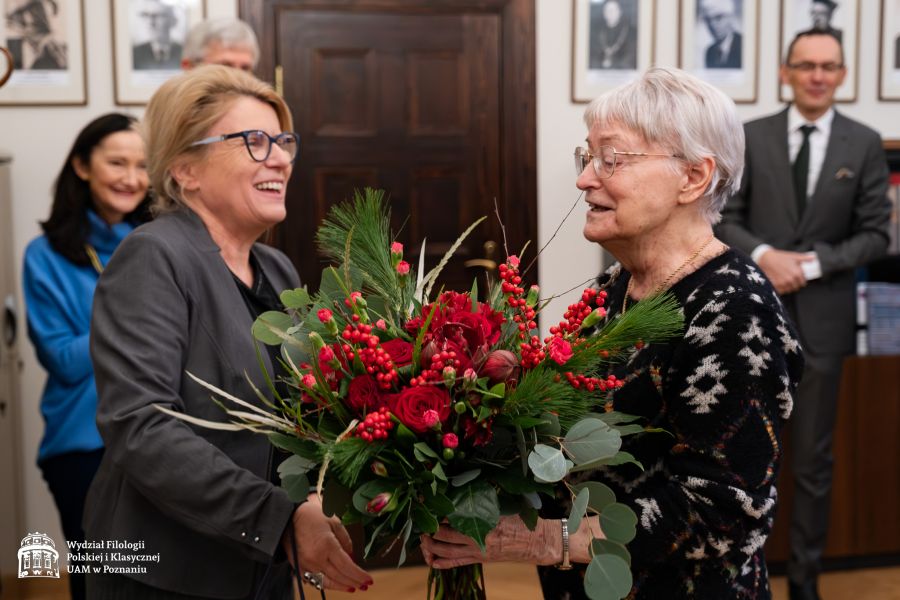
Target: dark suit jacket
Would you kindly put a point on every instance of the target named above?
(845, 223)
(48, 59)
(167, 304)
(732, 60)
(142, 58)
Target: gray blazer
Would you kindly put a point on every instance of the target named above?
(167, 304)
(846, 220)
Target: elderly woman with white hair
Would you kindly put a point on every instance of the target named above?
(663, 154)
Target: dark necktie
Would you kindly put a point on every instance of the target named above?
(801, 169)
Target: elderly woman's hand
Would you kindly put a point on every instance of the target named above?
(510, 541)
(324, 548)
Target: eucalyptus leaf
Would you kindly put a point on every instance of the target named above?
(465, 477)
(295, 465)
(611, 547)
(296, 486)
(590, 440)
(608, 577)
(618, 522)
(579, 507)
(601, 495)
(477, 511)
(547, 463)
(369, 490)
(551, 428)
(297, 298)
(533, 499)
(271, 327)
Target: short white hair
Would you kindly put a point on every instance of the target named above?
(686, 115)
(229, 32)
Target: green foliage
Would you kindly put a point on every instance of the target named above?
(607, 576)
(619, 523)
(591, 440)
(477, 510)
(350, 456)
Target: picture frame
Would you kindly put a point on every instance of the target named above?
(612, 42)
(46, 41)
(889, 56)
(718, 41)
(843, 20)
(148, 39)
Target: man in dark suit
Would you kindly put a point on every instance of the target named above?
(160, 52)
(720, 17)
(811, 209)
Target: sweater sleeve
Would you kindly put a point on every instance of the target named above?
(61, 347)
(728, 389)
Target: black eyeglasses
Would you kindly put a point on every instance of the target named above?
(259, 143)
(809, 67)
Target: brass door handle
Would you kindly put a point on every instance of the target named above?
(487, 262)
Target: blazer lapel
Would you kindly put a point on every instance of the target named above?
(838, 142)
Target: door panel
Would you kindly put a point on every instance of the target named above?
(431, 100)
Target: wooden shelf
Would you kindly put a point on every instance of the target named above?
(864, 519)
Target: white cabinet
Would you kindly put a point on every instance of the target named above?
(11, 492)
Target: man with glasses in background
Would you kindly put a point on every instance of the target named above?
(812, 207)
(224, 41)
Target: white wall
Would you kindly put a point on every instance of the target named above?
(569, 259)
(39, 139)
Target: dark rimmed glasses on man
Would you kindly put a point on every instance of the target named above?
(604, 161)
(259, 143)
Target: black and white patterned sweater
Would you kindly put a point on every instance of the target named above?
(706, 499)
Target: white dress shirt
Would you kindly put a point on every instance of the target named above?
(818, 144)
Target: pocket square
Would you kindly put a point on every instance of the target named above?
(844, 173)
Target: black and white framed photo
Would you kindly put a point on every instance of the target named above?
(46, 41)
(838, 17)
(889, 57)
(612, 43)
(148, 40)
(718, 42)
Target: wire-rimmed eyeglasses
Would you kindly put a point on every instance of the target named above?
(259, 143)
(604, 161)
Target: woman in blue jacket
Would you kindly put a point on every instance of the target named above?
(99, 197)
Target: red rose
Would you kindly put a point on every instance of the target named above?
(412, 403)
(400, 351)
(560, 350)
(363, 395)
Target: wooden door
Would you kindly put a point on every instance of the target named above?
(431, 100)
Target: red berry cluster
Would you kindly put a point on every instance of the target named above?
(374, 358)
(511, 286)
(578, 312)
(375, 426)
(593, 383)
(435, 371)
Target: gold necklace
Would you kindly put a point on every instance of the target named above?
(665, 283)
(95, 260)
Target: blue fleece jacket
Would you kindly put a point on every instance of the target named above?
(58, 298)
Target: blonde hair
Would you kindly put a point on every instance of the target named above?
(183, 110)
(690, 117)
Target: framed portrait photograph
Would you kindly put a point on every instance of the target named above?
(838, 17)
(148, 39)
(612, 43)
(45, 39)
(889, 56)
(718, 42)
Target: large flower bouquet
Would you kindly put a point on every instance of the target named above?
(405, 411)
